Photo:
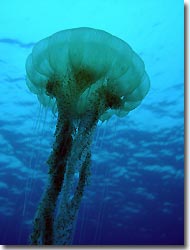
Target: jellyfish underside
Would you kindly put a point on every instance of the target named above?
(85, 75)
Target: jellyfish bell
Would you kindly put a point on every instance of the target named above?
(79, 65)
(85, 75)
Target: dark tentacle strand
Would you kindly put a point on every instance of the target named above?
(43, 222)
(71, 154)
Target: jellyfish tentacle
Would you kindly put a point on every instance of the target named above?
(80, 156)
(65, 220)
(83, 178)
(68, 149)
(80, 145)
(43, 222)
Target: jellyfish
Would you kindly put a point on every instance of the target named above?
(84, 75)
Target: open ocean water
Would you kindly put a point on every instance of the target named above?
(136, 191)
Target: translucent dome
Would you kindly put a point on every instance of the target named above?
(83, 68)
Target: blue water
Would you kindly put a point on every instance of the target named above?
(136, 192)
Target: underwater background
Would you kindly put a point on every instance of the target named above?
(136, 191)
